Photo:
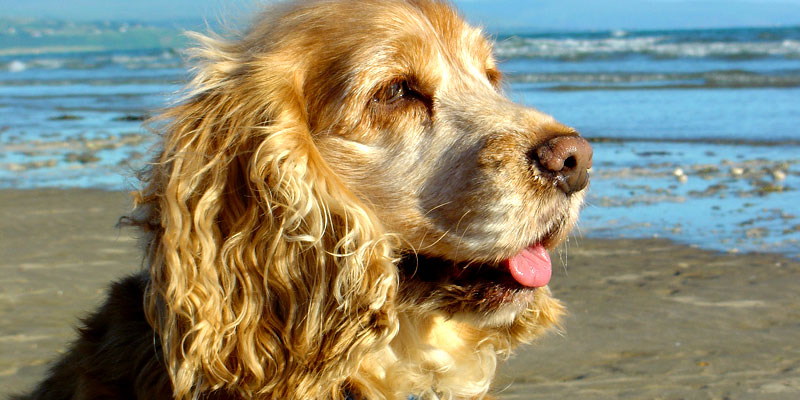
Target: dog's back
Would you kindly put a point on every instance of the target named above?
(116, 354)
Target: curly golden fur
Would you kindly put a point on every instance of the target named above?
(330, 198)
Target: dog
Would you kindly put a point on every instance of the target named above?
(344, 206)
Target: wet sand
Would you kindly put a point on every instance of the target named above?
(648, 319)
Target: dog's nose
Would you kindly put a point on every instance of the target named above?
(568, 159)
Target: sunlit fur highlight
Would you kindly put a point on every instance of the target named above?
(267, 275)
(286, 193)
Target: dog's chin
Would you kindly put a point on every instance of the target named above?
(505, 314)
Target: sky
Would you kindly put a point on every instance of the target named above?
(495, 15)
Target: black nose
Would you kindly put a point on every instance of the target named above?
(567, 159)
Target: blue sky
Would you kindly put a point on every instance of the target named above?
(497, 15)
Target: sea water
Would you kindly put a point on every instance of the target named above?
(695, 132)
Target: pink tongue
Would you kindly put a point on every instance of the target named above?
(531, 267)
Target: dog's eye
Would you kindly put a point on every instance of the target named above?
(395, 91)
(402, 94)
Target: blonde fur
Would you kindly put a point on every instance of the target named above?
(255, 226)
(318, 163)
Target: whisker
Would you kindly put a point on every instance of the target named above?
(439, 206)
(461, 237)
(436, 241)
(422, 240)
(565, 255)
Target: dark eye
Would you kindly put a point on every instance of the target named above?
(401, 93)
(395, 91)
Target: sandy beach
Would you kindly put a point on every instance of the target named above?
(648, 319)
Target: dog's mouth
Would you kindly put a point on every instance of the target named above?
(480, 286)
(530, 268)
(472, 287)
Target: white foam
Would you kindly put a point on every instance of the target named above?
(17, 66)
(658, 46)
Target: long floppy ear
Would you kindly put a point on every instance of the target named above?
(269, 277)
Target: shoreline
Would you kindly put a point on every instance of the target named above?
(647, 317)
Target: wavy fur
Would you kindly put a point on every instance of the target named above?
(266, 268)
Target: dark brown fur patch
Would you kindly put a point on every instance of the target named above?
(117, 355)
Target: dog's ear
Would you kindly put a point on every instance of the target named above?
(268, 275)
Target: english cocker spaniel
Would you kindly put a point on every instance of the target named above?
(345, 205)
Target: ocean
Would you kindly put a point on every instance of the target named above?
(696, 133)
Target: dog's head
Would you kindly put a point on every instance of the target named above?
(340, 160)
(414, 121)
